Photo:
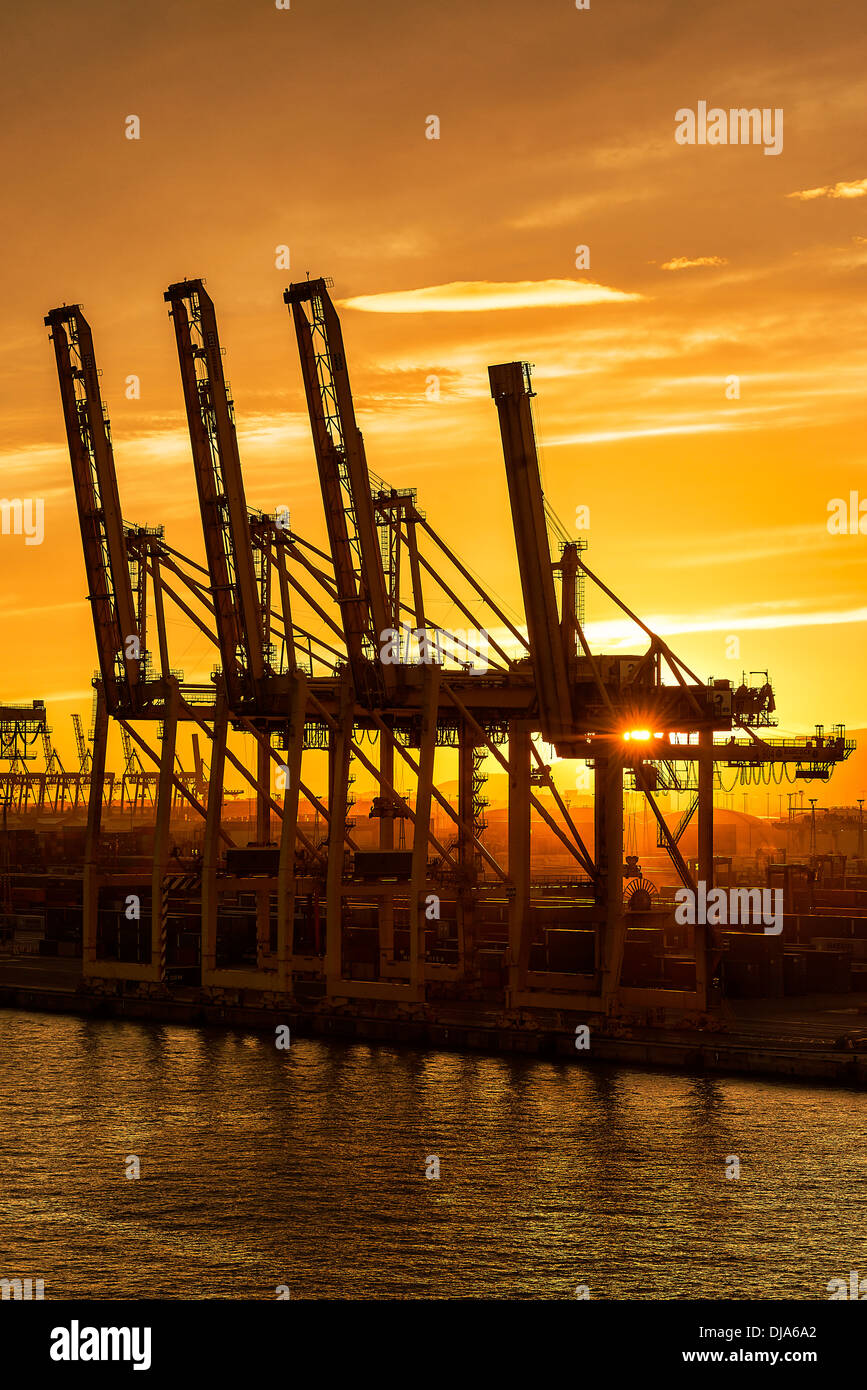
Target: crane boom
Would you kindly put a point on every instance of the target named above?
(345, 485)
(225, 522)
(511, 390)
(88, 433)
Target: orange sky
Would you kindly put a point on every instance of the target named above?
(261, 127)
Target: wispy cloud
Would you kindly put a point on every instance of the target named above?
(685, 263)
(559, 211)
(851, 259)
(620, 632)
(613, 436)
(471, 296)
(742, 546)
(33, 609)
(855, 188)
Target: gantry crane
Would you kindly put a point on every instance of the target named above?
(84, 757)
(241, 586)
(20, 728)
(52, 789)
(137, 787)
(120, 562)
(635, 722)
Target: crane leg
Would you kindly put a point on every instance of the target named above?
(263, 837)
(609, 860)
(165, 795)
(705, 859)
(420, 839)
(386, 842)
(519, 857)
(211, 849)
(466, 850)
(340, 748)
(286, 865)
(90, 892)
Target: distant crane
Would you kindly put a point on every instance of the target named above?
(85, 758)
(137, 787)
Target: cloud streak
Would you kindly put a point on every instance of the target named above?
(474, 296)
(621, 632)
(615, 436)
(685, 263)
(856, 188)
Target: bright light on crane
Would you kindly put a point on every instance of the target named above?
(637, 735)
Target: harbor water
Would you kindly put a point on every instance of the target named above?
(343, 1170)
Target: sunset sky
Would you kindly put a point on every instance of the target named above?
(306, 127)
